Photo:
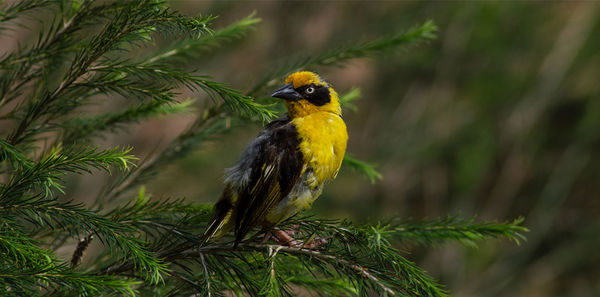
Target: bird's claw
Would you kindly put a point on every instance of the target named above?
(285, 238)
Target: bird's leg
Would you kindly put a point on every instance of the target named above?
(266, 238)
(286, 238)
(315, 243)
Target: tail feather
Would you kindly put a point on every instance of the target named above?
(221, 215)
(216, 224)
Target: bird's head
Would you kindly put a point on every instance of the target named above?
(305, 92)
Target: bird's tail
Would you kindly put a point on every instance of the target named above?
(222, 214)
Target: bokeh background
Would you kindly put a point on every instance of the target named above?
(498, 118)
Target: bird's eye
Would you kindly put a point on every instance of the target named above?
(310, 90)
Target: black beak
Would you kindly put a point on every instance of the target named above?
(287, 92)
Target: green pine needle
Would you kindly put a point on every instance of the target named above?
(366, 169)
(347, 99)
(338, 57)
(467, 232)
(47, 172)
(192, 48)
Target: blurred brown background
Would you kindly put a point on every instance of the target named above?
(499, 117)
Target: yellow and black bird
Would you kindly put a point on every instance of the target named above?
(284, 169)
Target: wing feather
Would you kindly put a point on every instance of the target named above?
(275, 167)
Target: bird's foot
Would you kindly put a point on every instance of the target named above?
(286, 238)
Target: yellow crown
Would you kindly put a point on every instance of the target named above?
(303, 78)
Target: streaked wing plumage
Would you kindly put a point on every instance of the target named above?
(265, 174)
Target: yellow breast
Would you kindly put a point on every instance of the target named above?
(323, 143)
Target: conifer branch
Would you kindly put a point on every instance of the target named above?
(47, 172)
(347, 99)
(415, 35)
(237, 101)
(366, 169)
(133, 78)
(467, 232)
(361, 254)
(191, 48)
(14, 155)
(79, 129)
(77, 219)
(59, 277)
(130, 24)
(26, 65)
(20, 248)
(20, 7)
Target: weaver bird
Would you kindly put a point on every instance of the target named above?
(284, 169)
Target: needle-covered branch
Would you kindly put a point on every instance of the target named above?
(366, 169)
(131, 24)
(466, 231)
(44, 177)
(338, 57)
(83, 128)
(61, 281)
(357, 259)
(98, 53)
(187, 49)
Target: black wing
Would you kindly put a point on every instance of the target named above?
(269, 169)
